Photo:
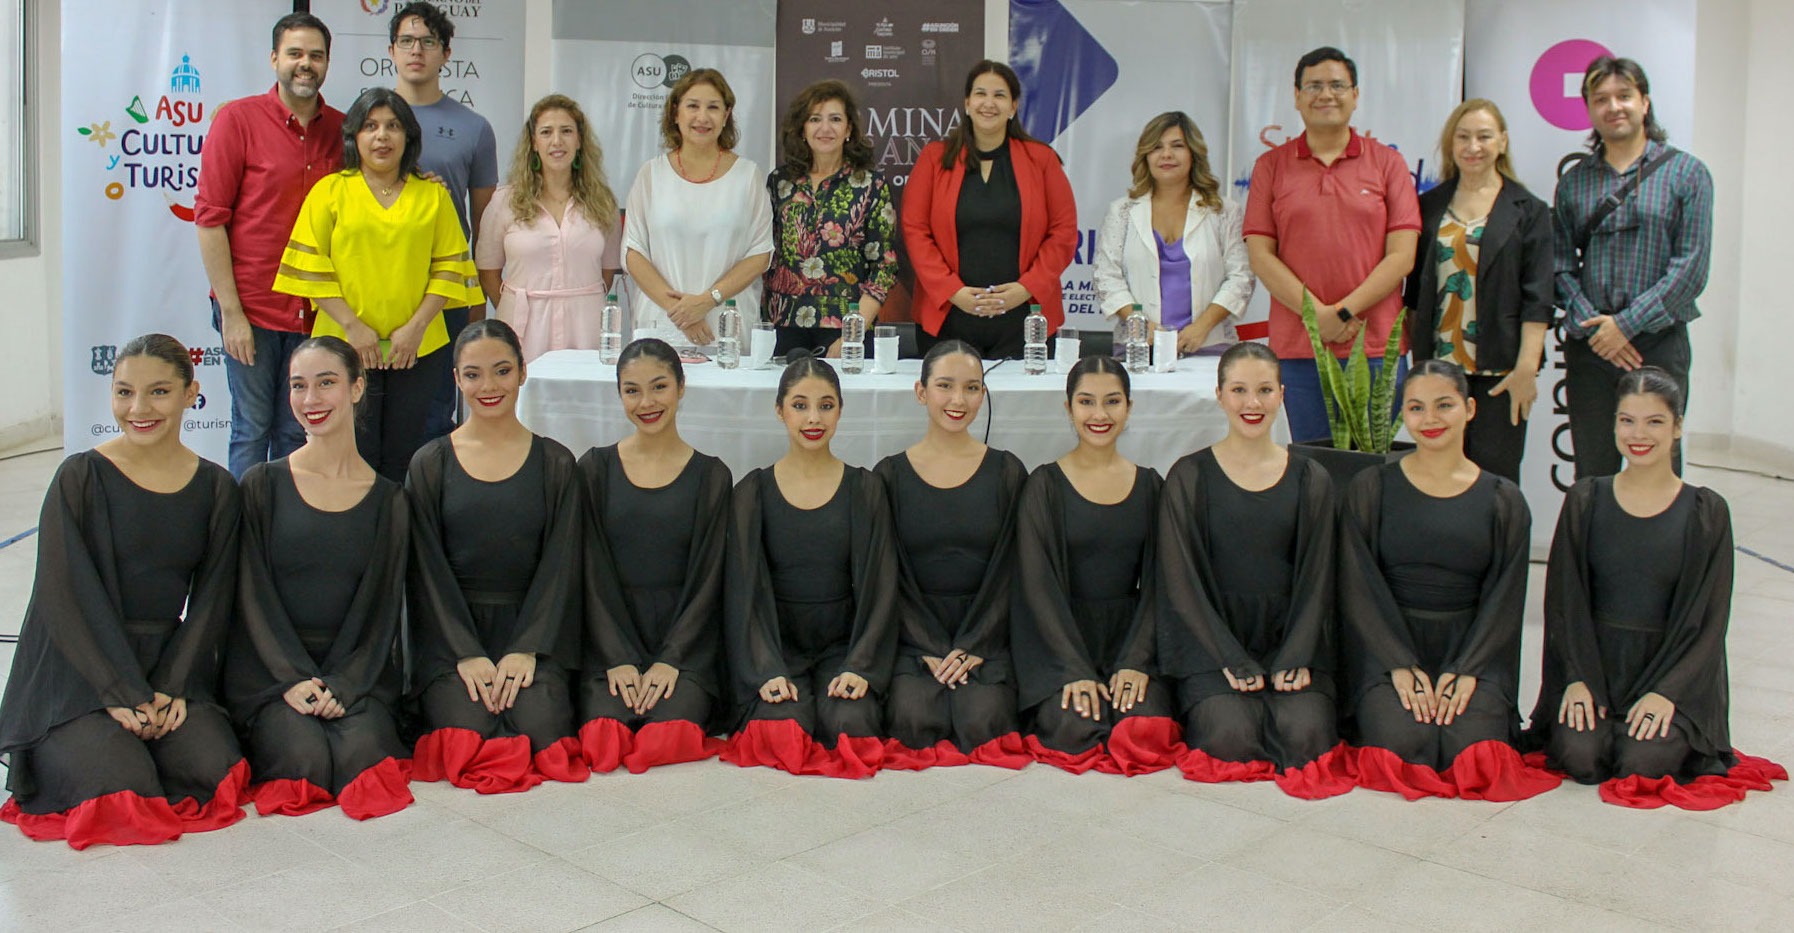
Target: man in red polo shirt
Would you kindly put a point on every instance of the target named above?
(1334, 214)
(262, 156)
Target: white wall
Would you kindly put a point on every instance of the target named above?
(1739, 409)
(31, 311)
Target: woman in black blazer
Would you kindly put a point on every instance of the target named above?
(1481, 286)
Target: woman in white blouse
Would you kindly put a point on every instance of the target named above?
(698, 228)
(1173, 246)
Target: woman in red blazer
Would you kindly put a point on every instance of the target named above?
(989, 221)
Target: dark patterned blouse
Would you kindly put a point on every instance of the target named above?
(833, 243)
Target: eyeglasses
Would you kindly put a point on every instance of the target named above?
(427, 43)
(1314, 88)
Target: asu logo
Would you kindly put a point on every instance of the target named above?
(104, 359)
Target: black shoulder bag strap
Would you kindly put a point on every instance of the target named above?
(1613, 201)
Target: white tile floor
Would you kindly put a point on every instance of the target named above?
(704, 846)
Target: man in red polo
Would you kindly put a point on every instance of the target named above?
(1333, 214)
(262, 156)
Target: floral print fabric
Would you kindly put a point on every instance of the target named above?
(832, 243)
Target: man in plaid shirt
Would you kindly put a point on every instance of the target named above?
(1628, 286)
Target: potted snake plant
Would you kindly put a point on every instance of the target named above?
(1360, 406)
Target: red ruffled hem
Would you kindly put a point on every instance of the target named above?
(1707, 792)
(1330, 775)
(670, 743)
(1198, 765)
(1143, 745)
(1487, 770)
(382, 789)
(124, 818)
(225, 807)
(604, 743)
(783, 744)
(1004, 751)
(1074, 762)
(289, 797)
(462, 758)
(561, 761)
(942, 754)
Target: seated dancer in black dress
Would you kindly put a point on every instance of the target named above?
(809, 604)
(656, 528)
(953, 502)
(109, 729)
(1637, 598)
(309, 671)
(495, 599)
(1432, 591)
(1246, 612)
(1081, 622)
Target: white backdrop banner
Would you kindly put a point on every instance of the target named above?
(1528, 56)
(1409, 53)
(133, 131)
(620, 60)
(1093, 73)
(484, 69)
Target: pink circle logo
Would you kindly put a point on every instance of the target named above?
(1557, 82)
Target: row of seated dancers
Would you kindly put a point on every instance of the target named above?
(322, 636)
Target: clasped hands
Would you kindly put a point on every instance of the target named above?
(1610, 343)
(954, 669)
(152, 720)
(990, 300)
(688, 313)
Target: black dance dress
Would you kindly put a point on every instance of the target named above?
(1439, 585)
(132, 597)
(811, 595)
(320, 595)
(1246, 584)
(1635, 606)
(956, 548)
(494, 571)
(653, 593)
(1084, 608)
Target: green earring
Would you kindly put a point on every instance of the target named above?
(576, 161)
(535, 162)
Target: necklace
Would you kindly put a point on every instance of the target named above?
(679, 162)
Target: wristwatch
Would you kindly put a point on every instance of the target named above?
(1345, 315)
(716, 295)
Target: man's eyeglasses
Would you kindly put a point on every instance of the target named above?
(427, 43)
(1314, 88)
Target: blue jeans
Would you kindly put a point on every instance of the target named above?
(441, 418)
(1302, 403)
(262, 426)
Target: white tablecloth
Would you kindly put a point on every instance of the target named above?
(572, 397)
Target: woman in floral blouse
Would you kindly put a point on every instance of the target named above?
(833, 223)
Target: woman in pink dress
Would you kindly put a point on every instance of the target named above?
(549, 245)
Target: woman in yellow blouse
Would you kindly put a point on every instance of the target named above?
(379, 250)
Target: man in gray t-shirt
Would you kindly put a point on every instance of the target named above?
(459, 147)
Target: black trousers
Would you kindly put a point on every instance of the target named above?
(1384, 724)
(1491, 441)
(1287, 729)
(330, 753)
(1593, 387)
(1606, 751)
(394, 420)
(816, 339)
(92, 756)
(995, 338)
(826, 718)
(543, 711)
(923, 711)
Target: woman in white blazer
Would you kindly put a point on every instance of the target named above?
(1173, 246)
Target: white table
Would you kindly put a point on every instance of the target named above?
(572, 397)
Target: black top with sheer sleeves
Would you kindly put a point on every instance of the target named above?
(643, 544)
(956, 551)
(1246, 579)
(319, 594)
(752, 625)
(1688, 664)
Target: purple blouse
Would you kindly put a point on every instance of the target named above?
(1174, 284)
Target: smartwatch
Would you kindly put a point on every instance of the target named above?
(1345, 314)
(716, 295)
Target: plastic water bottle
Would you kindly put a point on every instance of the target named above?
(1139, 352)
(728, 336)
(853, 342)
(1034, 345)
(610, 339)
